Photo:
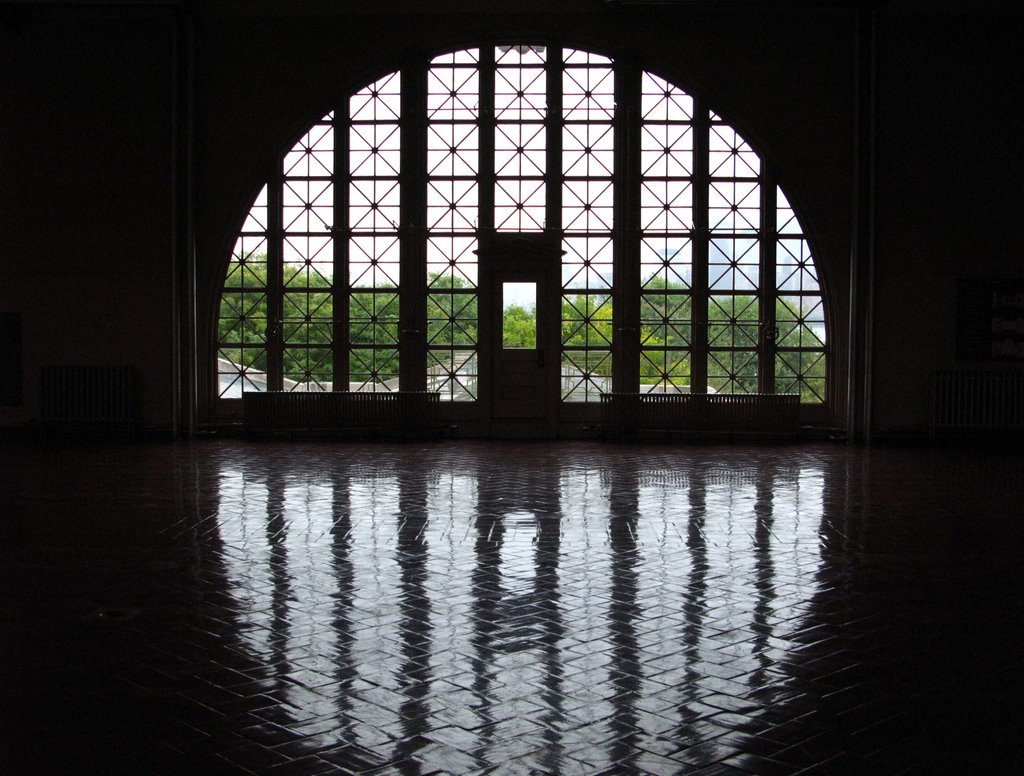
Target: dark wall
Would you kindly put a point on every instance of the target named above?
(950, 187)
(86, 116)
(85, 128)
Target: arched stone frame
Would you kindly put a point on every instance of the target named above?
(626, 355)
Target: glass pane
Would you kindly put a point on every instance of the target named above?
(519, 315)
(452, 374)
(585, 374)
(732, 371)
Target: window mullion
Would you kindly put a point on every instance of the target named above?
(275, 281)
(341, 247)
(485, 224)
(553, 182)
(412, 340)
(553, 129)
(626, 260)
(768, 325)
(486, 122)
(701, 247)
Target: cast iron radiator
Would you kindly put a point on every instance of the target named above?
(966, 402)
(392, 413)
(88, 397)
(625, 415)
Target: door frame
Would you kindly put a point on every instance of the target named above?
(520, 257)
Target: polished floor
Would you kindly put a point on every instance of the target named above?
(554, 608)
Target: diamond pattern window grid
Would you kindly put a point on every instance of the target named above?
(588, 200)
(242, 314)
(453, 167)
(729, 155)
(520, 138)
(452, 317)
(373, 249)
(313, 155)
(256, 219)
(660, 101)
(734, 275)
(453, 90)
(734, 264)
(307, 252)
(374, 150)
(732, 371)
(665, 370)
(520, 86)
(587, 263)
(666, 242)
(666, 261)
(800, 360)
(733, 330)
(380, 101)
(588, 90)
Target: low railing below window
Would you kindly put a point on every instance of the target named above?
(631, 415)
(384, 413)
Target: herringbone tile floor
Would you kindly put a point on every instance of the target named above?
(466, 607)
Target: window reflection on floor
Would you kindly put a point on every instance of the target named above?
(572, 607)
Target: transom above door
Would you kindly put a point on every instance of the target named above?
(674, 262)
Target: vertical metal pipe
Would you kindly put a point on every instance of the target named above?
(184, 387)
(188, 163)
(176, 380)
(853, 360)
(860, 376)
(869, 302)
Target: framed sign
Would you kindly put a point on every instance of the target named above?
(990, 319)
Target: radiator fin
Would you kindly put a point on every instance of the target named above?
(87, 397)
(625, 415)
(395, 413)
(977, 402)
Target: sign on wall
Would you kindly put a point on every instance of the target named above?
(990, 319)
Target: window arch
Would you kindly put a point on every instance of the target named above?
(362, 264)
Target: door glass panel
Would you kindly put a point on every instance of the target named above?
(519, 315)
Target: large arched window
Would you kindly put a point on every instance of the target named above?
(512, 219)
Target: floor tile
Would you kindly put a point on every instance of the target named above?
(468, 607)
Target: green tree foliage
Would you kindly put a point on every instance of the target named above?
(587, 325)
(453, 321)
(665, 333)
(242, 326)
(519, 326)
(452, 311)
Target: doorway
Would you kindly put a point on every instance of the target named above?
(523, 335)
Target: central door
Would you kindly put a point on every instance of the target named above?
(524, 321)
